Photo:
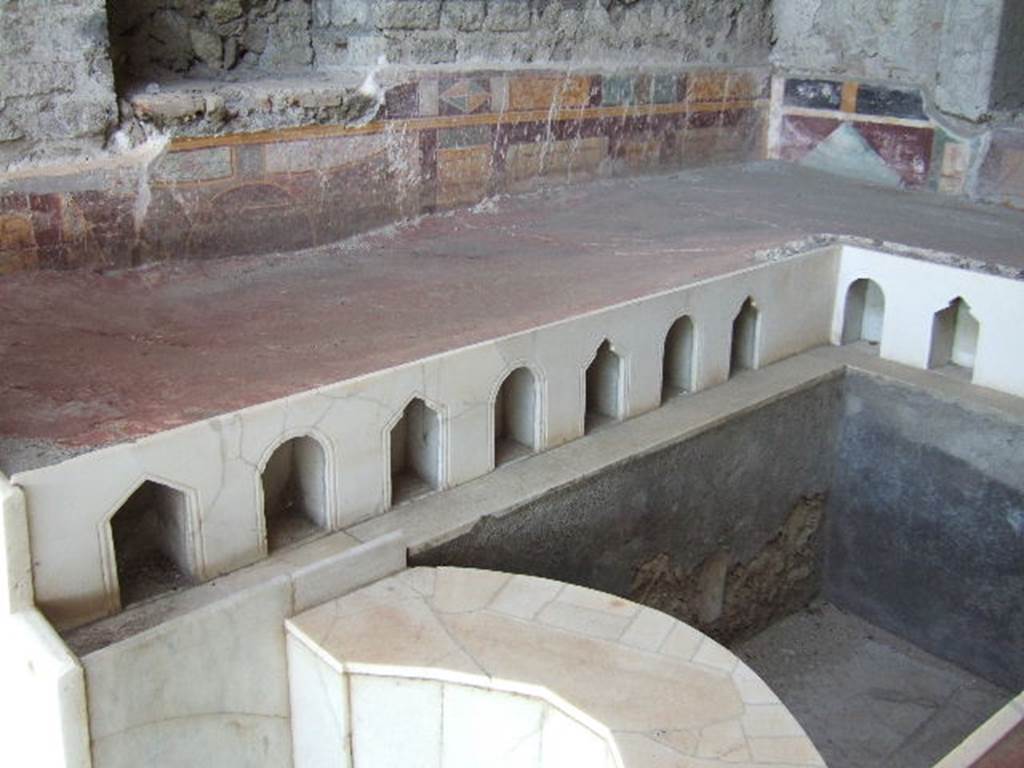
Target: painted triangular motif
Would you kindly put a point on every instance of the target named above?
(845, 152)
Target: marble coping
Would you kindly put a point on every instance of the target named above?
(668, 694)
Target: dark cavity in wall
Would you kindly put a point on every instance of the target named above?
(161, 41)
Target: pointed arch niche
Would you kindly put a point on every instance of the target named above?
(154, 550)
(743, 354)
(603, 388)
(678, 361)
(955, 332)
(415, 452)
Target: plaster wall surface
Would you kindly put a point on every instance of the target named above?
(967, 63)
(949, 497)
(56, 83)
(868, 39)
(1008, 79)
(964, 53)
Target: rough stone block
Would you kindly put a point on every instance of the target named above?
(224, 11)
(350, 13)
(409, 14)
(439, 48)
(509, 16)
(208, 47)
(288, 41)
(464, 15)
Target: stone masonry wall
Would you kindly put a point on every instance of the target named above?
(151, 39)
(56, 87)
(965, 54)
(156, 38)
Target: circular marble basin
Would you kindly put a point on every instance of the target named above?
(453, 667)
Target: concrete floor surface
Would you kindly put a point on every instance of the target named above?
(865, 697)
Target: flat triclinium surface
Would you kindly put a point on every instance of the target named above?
(94, 359)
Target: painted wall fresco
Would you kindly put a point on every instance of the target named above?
(874, 132)
(442, 140)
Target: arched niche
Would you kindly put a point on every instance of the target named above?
(955, 332)
(294, 484)
(516, 423)
(863, 312)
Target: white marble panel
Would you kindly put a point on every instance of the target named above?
(15, 556)
(210, 686)
(337, 574)
(42, 698)
(915, 290)
(484, 727)
(319, 710)
(395, 722)
(566, 741)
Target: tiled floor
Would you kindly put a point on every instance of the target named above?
(865, 697)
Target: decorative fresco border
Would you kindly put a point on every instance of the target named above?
(442, 140)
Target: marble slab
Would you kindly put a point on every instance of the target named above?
(667, 694)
